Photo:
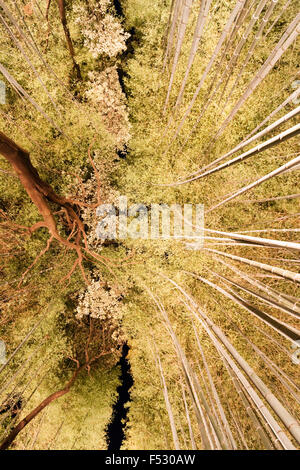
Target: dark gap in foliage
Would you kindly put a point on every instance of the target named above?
(115, 430)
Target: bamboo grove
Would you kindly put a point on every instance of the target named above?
(202, 99)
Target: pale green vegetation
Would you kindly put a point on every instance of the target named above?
(141, 305)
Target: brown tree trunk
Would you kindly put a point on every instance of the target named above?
(63, 18)
(54, 396)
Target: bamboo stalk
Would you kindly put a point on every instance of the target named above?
(215, 393)
(282, 328)
(264, 178)
(239, 431)
(209, 99)
(260, 297)
(191, 433)
(283, 136)
(257, 240)
(277, 296)
(285, 273)
(247, 369)
(280, 374)
(239, 5)
(268, 129)
(273, 340)
(247, 404)
(171, 33)
(276, 140)
(194, 387)
(37, 432)
(283, 44)
(255, 42)
(202, 422)
(168, 405)
(281, 412)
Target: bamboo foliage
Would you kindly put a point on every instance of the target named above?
(275, 296)
(284, 273)
(168, 405)
(278, 171)
(227, 350)
(239, 5)
(232, 61)
(171, 32)
(282, 328)
(24, 93)
(260, 297)
(244, 143)
(283, 44)
(255, 42)
(276, 140)
(258, 240)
